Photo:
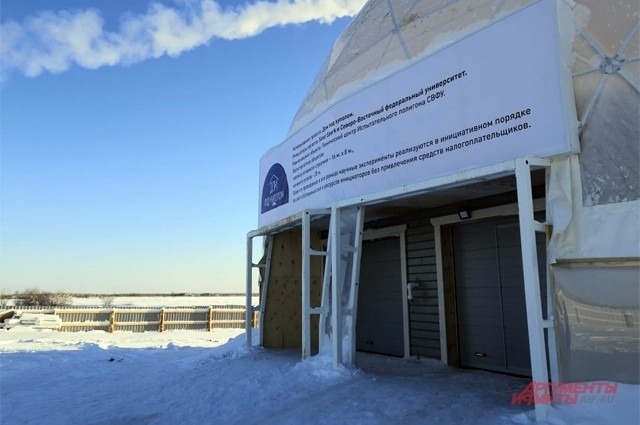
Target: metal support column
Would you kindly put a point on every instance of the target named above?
(307, 253)
(249, 291)
(249, 308)
(324, 328)
(345, 246)
(352, 302)
(336, 287)
(535, 321)
(265, 286)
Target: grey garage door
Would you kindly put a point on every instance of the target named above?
(379, 326)
(492, 318)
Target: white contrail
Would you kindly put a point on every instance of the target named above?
(54, 41)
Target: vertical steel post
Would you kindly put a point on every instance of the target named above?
(355, 282)
(336, 287)
(531, 282)
(325, 308)
(249, 289)
(405, 295)
(306, 285)
(551, 334)
(265, 287)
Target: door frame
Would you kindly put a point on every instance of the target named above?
(447, 311)
(398, 231)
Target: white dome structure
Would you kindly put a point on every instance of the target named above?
(388, 35)
(471, 170)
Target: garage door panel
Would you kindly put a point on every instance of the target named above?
(484, 354)
(514, 299)
(379, 275)
(471, 280)
(471, 307)
(380, 250)
(515, 314)
(488, 318)
(515, 319)
(386, 331)
(375, 344)
(487, 363)
(515, 335)
(381, 297)
(388, 327)
(477, 256)
(379, 327)
(477, 272)
(471, 313)
(474, 243)
(377, 290)
(508, 233)
(380, 310)
(491, 307)
(478, 308)
(518, 358)
(477, 305)
(382, 262)
(513, 304)
(478, 294)
(487, 321)
(482, 341)
(513, 292)
(512, 279)
(476, 234)
(511, 254)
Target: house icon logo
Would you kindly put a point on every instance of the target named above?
(274, 183)
(275, 189)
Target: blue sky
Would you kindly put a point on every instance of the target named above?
(125, 169)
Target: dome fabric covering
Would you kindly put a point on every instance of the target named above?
(577, 63)
(389, 35)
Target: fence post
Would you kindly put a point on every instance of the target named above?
(210, 318)
(254, 319)
(55, 313)
(112, 321)
(162, 319)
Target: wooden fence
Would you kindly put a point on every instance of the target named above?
(141, 319)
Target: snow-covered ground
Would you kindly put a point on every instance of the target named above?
(197, 377)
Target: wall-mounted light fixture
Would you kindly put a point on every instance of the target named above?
(410, 287)
(464, 213)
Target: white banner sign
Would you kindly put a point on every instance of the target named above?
(489, 98)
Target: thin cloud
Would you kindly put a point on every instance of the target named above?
(55, 41)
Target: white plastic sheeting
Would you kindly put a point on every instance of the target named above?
(595, 232)
(607, 86)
